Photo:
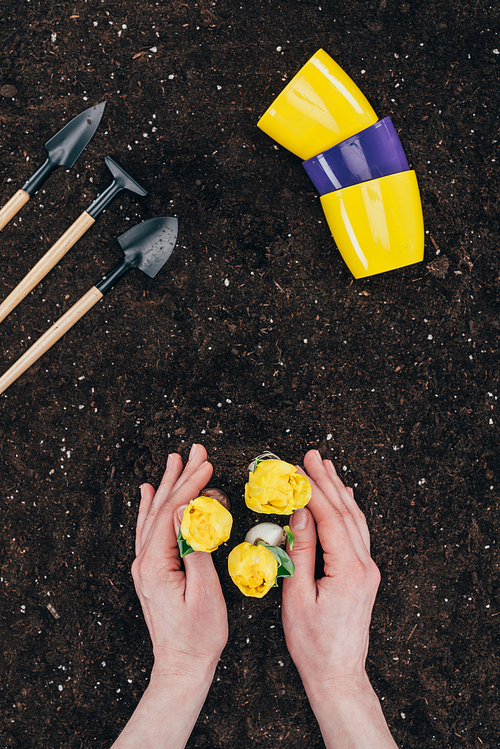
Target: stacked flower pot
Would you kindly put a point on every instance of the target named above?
(369, 194)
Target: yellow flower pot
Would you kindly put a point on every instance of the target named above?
(377, 225)
(320, 107)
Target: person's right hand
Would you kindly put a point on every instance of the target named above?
(326, 621)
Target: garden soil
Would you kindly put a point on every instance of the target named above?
(254, 336)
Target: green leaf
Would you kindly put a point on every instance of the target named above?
(286, 567)
(290, 536)
(284, 571)
(184, 547)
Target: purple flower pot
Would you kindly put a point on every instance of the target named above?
(374, 152)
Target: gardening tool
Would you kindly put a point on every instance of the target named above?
(146, 246)
(121, 181)
(63, 149)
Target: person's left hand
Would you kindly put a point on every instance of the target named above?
(184, 609)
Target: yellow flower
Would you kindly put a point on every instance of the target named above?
(253, 569)
(276, 488)
(206, 524)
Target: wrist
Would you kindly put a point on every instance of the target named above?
(195, 675)
(349, 713)
(337, 688)
(169, 708)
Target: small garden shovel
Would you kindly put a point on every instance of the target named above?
(63, 150)
(121, 181)
(146, 246)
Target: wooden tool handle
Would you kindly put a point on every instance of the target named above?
(46, 263)
(12, 207)
(50, 337)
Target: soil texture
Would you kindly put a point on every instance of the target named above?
(253, 336)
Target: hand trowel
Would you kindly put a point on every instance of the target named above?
(146, 246)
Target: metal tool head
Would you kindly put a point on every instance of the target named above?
(123, 180)
(66, 146)
(149, 245)
(146, 246)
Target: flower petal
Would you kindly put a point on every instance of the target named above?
(253, 569)
(275, 487)
(206, 524)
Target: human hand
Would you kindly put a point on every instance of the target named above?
(185, 611)
(326, 621)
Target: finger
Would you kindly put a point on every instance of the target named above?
(341, 545)
(191, 484)
(174, 476)
(351, 504)
(360, 521)
(147, 496)
(162, 536)
(202, 579)
(174, 479)
(171, 475)
(303, 553)
(337, 497)
(178, 517)
(197, 458)
(324, 474)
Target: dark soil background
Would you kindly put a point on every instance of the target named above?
(254, 336)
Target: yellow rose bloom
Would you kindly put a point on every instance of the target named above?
(275, 488)
(206, 524)
(253, 569)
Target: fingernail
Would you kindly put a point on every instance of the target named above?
(193, 451)
(332, 467)
(178, 519)
(180, 513)
(299, 520)
(169, 460)
(318, 456)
